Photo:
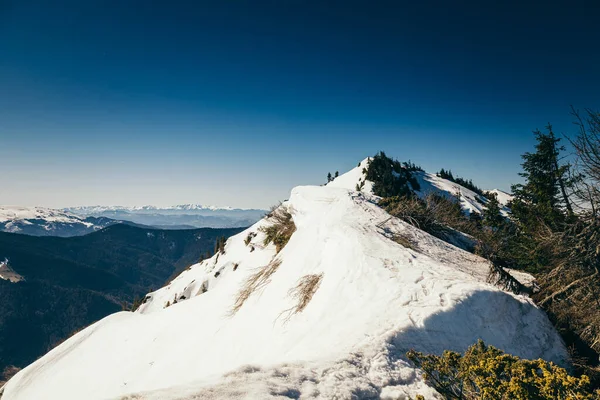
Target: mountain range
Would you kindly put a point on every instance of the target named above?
(174, 217)
(41, 221)
(77, 221)
(320, 299)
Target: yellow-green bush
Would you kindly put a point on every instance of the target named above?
(487, 373)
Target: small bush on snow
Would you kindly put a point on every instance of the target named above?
(281, 229)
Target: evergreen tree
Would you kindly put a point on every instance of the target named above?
(491, 213)
(475, 218)
(337, 173)
(329, 178)
(543, 197)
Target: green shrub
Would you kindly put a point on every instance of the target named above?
(485, 372)
(281, 229)
(390, 177)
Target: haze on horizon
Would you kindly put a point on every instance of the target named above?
(124, 103)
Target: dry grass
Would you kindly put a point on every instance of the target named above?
(281, 229)
(203, 288)
(303, 292)
(404, 241)
(255, 282)
(249, 238)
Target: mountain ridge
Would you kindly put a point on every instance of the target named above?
(382, 287)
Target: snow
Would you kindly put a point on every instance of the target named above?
(503, 197)
(469, 200)
(13, 213)
(91, 210)
(354, 177)
(377, 299)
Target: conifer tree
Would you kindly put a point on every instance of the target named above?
(491, 213)
(543, 196)
(329, 178)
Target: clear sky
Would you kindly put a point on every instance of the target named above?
(235, 102)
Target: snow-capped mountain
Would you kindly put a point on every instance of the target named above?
(179, 216)
(184, 207)
(329, 316)
(40, 221)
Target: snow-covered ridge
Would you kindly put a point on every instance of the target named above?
(385, 287)
(429, 183)
(41, 221)
(11, 213)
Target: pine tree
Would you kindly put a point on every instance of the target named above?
(491, 213)
(329, 178)
(336, 174)
(543, 196)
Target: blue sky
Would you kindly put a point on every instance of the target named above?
(234, 103)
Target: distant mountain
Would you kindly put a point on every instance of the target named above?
(52, 286)
(190, 215)
(40, 221)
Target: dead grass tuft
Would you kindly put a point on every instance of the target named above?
(404, 241)
(255, 282)
(303, 292)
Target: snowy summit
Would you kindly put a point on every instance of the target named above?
(331, 315)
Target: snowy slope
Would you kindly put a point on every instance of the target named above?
(40, 221)
(503, 197)
(376, 300)
(469, 200)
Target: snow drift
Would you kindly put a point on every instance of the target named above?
(375, 300)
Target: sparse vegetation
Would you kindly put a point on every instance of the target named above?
(485, 372)
(203, 288)
(467, 183)
(249, 238)
(220, 245)
(256, 281)
(304, 291)
(434, 214)
(8, 372)
(137, 302)
(404, 241)
(390, 177)
(281, 228)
